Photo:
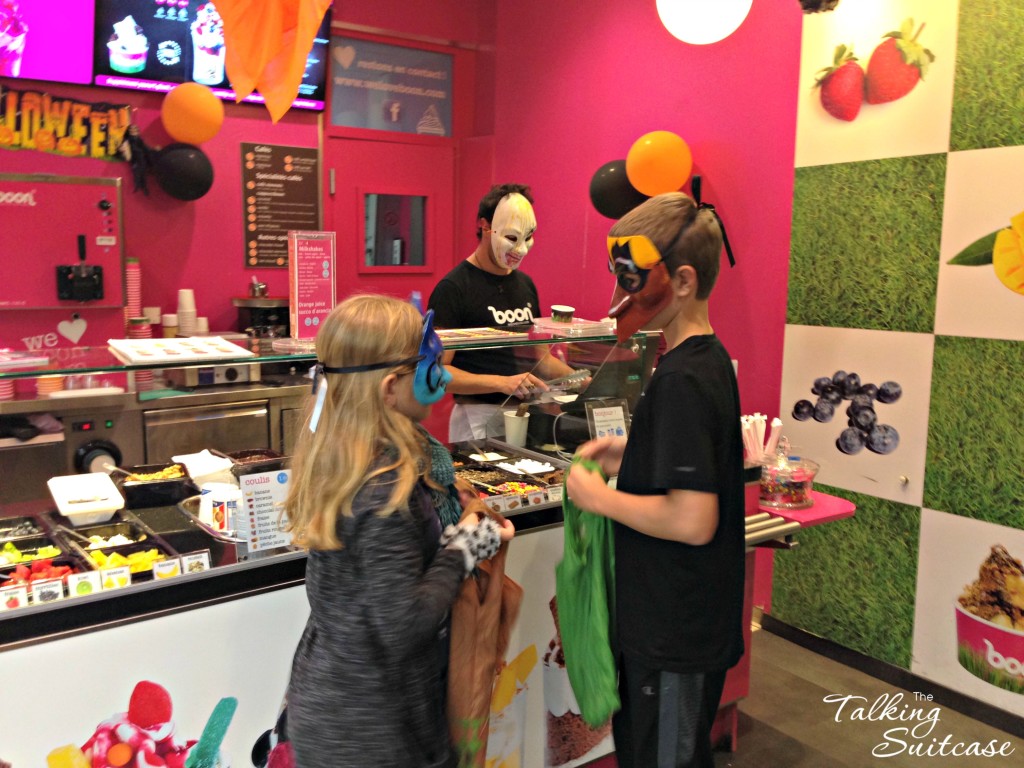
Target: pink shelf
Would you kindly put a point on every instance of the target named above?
(826, 509)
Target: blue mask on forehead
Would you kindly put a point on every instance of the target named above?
(431, 376)
(429, 379)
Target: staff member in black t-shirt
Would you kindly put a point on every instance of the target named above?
(489, 290)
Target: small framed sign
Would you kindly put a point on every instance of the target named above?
(13, 597)
(311, 293)
(608, 418)
(194, 562)
(84, 583)
(47, 591)
(167, 569)
(116, 578)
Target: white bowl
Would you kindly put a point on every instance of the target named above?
(85, 499)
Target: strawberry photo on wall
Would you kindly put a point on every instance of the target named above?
(876, 81)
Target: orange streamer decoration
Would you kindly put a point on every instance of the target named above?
(266, 45)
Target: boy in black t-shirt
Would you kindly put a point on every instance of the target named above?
(678, 502)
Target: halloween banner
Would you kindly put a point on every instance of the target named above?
(35, 120)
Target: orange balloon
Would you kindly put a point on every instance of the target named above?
(191, 114)
(659, 161)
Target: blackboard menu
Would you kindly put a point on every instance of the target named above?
(280, 193)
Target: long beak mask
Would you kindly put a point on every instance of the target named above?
(634, 308)
(643, 286)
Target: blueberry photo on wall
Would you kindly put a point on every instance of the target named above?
(864, 427)
(856, 401)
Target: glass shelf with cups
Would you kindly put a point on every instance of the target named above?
(82, 361)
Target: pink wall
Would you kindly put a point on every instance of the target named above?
(573, 86)
(578, 83)
(439, 21)
(179, 244)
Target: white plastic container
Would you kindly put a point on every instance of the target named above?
(85, 499)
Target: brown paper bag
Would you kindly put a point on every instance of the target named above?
(482, 619)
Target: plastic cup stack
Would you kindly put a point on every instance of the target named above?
(133, 286)
(139, 328)
(47, 384)
(186, 312)
(143, 380)
(7, 389)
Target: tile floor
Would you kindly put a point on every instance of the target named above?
(784, 722)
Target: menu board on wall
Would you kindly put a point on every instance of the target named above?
(280, 193)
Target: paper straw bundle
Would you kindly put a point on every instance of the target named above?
(753, 430)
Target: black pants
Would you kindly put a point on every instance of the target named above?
(666, 717)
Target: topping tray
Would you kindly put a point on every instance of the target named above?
(155, 485)
(17, 527)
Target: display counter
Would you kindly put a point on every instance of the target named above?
(229, 629)
(191, 406)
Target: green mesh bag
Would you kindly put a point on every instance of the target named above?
(585, 592)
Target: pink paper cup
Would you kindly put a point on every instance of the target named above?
(990, 652)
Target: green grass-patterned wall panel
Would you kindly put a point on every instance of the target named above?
(865, 241)
(988, 92)
(975, 461)
(854, 581)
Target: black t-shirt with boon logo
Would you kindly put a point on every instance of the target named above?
(469, 297)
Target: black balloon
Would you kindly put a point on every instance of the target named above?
(611, 193)
(183, 171)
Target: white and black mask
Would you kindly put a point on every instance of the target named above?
(512, 231)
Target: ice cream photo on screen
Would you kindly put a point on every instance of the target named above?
(128, 47)
(208, 46)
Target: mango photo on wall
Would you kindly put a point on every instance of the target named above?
(856, 402)
(969, 612)
(862, 95)
(981, 262)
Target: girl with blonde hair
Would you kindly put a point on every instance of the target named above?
(368, 677)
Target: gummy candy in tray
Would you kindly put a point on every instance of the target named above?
(501, 490)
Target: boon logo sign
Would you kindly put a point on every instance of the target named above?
(18, 198)
(512, 316)
(996, 660)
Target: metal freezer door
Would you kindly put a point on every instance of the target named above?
(225, 428)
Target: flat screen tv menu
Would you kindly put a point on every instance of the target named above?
(153, 45)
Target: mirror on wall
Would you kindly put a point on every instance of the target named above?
(395, 230)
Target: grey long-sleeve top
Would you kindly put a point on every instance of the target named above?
(368, 677)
